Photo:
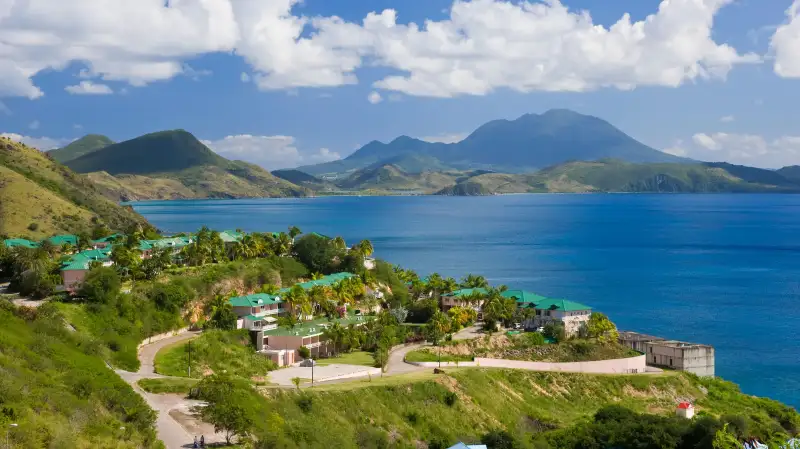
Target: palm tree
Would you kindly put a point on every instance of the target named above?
(294, 231)
(339, 243)
(294, 297)
(316, 276)
(474, 281)
(365, 248)
(283, 244)
(449, 285)
(318, 295)
(334, 334)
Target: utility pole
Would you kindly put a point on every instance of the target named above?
(312, 371)
(189, 348)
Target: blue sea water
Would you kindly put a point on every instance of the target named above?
(716, 269)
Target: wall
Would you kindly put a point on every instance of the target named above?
(617, 366)
(158, 337)
(697, 359)
(444, 364)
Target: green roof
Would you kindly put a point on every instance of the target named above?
(254, 300)
(75, 265)
(63, 239)
(523, 297)
(110, 238)
(328, 280)
(171, 242)
(316, 327)
(231, 236)
(144, 245)
(465, 292)
(92, 254)
(15, 243)
(317, 234)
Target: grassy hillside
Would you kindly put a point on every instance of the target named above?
(175, 165)
(391, 177)
(466, 403)
(618, 176)
(59, 392)
(78, 148)
(34, 189)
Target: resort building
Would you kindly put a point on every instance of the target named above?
(465, 297)
(230, 237)
(678, 355)
(64, 239)
(573, 315)
(281, 344)
(257, 312)
(74, 269)
(325, 281)
(106, 242)
(20, 243)
(174, 243)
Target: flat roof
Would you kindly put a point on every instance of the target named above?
(681, 344)
(636, 336)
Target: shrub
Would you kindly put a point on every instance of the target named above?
(101, 285)
(33, 227)
(304, 352)
(450, 398)
(500, 439)
(305, 402)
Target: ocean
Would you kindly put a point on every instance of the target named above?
(716, 269)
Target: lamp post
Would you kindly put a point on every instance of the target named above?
(8, 431)
(312, 371)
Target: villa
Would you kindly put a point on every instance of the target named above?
(64, 239)
(105, 242)
(175, 243)
(573, 315)
(74, 269)
(257, 312)
(230, 237)
(20, 243)
(465, 297)
(281, 344)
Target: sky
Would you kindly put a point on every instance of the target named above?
(283, 83)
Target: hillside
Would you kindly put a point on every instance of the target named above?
(531, 142)
(80, 147)
(465, 404)
(303, 179)
(618, 176)
(175, 165)
(391, 177)
(60, 393)
(40, 197)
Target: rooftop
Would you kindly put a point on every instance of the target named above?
(254, 300)
(522, 296)
(14, 243)
(317, 327)
(563, 305)
(170, 242)
(324, 281)
(231, 236)
(680, 344)
(110, 238)
(465, 292)
(635, 336)
(59, 240)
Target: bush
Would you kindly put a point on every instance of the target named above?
(304, 352)
(33, 227)
(534, 339)
(305, 402)
(500, 439)
(101, 285)
(450, 398)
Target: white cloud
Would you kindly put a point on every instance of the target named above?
(785, 44)
(34, 125)
(89, 88)
(270, 152)
(445, 138)
(42, 143)
(727, 119)
(744, 149)
(77, 126)
(483, 45)
(244, 77)
(374, 97)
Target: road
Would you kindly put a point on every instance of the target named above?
(169, 430)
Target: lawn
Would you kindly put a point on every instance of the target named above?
(160, 386)
(213, 352)
(430, 355)
(362, 358)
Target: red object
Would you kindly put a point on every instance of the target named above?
(685, 405)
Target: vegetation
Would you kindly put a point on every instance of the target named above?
(363, 358)
(40, 198)
(167, 385)
(533, 409)
(85, 145)
(214, 351)
(181, 166)
(59, 392)
(432, 355)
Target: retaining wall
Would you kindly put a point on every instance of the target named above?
(155, 338)
(444, 364)
(627, 365)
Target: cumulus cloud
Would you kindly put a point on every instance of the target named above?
(744, 149)
(481, 46)
(374, 97)
(34, 125)
(270, 152)
(445, 138)
(42, 143)
(785, 44)
(89, 88)
(727, 119)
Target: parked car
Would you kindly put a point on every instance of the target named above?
(308, 362)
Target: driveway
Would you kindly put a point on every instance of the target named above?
(168, 406)
(397, 364)
(283, 377)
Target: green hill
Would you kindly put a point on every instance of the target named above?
(618, 176)
(174, 164)
(530, 142)
(40, 197)
(391, 177)
(85, 145)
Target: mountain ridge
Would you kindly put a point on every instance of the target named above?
(85, 145)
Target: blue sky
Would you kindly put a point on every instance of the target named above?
(710, 79)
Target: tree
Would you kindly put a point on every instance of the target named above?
(224, 409)
(296, 381)
(601, 328)
(315, 252)
(287, 322)
(153, 266)
(295, 298)
(294, 231)
(400, 314)
(365, 248)
(437, 327)
(335, 335)
(499, 439)
(222, 314)
(724, 439)
(474, 281)
(555, 331)
(339, 243)
(304, 352)
(125, 259)
(101, 285)
(497, 309)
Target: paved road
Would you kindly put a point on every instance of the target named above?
(396, 363)
(169, 431)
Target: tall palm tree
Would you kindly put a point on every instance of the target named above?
(334, 334)
(294, 298)
(339, 243)
(294, 231)
(318, 295)
(474, 281)
(365, 248)
(283, 244)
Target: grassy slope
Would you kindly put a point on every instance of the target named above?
(40, 183)
(60, 394)
(362, 358)
(487, 399)
(78, 148)
(391, 177)
(213, 351)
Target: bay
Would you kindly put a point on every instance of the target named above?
(717, 269)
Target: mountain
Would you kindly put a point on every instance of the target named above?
(303, 179)
(529, 143)
(40, 197)
(173, 165)
(390, 177)
(792, 173)
(618, 176)
(80, 147)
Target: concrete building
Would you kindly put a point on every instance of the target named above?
(692, 357)
(465, 297)
(685, 410)
(637, 341)
(571, 314)
(20, 243)
(257, 312)
(309, 334)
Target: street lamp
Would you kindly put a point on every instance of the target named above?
(8, 431)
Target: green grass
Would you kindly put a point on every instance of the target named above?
(59, 392)
(430, 355)
(160, 386)
(213, 351)
(413, 407)
(352, 358)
